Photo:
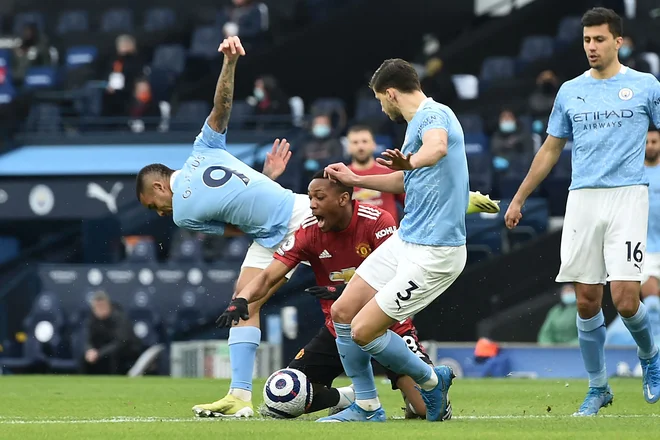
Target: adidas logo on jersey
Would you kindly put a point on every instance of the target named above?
(325, 254)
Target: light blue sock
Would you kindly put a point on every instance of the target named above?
(592, 334)
(357, 363)
(243, 343)
(640, 329)
(391, 351)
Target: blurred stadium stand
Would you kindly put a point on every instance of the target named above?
(67, 205)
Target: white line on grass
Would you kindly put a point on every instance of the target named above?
(72, 421)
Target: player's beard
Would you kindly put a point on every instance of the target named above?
(397, 117)
(362, 159)
(652, 157)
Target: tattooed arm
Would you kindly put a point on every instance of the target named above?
(224, 90)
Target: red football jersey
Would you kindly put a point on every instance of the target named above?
(383, 200)
(334, 256)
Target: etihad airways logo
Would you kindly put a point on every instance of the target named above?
(603, 119)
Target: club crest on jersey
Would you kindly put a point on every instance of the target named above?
(300, 354)
(625, 94)
(363, 250)
(343, 275)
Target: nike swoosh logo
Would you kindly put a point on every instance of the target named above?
(371, 416)
(648, 391)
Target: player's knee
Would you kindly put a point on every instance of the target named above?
(361, 333)
(625, 297)
(341, 313)
(587, 307)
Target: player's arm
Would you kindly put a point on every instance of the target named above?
(543, 162)
(262, 283)
(224, 89)
(434, 148)
(654, 103)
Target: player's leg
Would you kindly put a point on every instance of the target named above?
(374, 272)
(651, 291)
(320, 362)
(244, 339)
(624, 249)
(424, 273)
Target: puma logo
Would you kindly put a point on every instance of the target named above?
(96, 191)
(581, 99)
(638, 267)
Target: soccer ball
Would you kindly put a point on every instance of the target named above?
(287, 394)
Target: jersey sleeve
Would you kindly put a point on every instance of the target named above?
(654, 103)
(209, 138)
(207, 227)
(559, 124)
(294, 250)
(431, 120)
(383, 228)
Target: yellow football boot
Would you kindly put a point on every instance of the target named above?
(228, 406)
(482, 203)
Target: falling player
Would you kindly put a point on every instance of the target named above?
(335, 240)
(216, 193)
(607, 111)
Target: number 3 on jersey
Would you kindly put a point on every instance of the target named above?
(212, 182)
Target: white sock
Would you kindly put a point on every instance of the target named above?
(244, 395)
(431, 383)
(369, 404)
(346, 397)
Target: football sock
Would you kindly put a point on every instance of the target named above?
(640, 329)
(391, 351)
(323, 398)
(591, 335)
(243, 344)
(357, 365)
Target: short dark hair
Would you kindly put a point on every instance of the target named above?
(395, 73)
(653, 128)
(358, 127)
(157, 169)
(320, 174)
(598, 16)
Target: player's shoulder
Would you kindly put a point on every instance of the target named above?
(309, 224)
(367, 212)
(643, 78)
(576, 82)
(430, 107)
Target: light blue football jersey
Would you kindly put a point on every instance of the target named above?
(214, 188)
(608, 121)
(653, 234)
(436, 197)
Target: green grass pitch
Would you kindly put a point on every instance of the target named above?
(79, 407)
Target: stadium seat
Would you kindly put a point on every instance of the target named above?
(158, 19)
(569, 31)
(80, 55)
(481, 172)
(170, 57)
(146, 325)
(536, 47)
(7, 93)
(190, 114)
(477, 253)
(72, 21)
(471, 122)
(117, 20)
(328, 106)
(21, 19)
(143, 251)
(485, 231)
(241, 114)
(187, 251)
(236, 249)
(497, 68)
(44, 118)
(467, 86)
(476, 142)
(205, 41)
(40, 77)
(187, 315)
(369, 108)
(297, 105)
(653, 60)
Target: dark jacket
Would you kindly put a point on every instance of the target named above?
(112, 336)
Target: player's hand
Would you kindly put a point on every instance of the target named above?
(513, 214)
(277, 159)
(326, 292)
(397, 160)
(237, 310)
(232, 48)
(339, 172)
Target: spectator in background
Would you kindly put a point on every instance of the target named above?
(125, 68)
(143, 110)
(560, 326)
(361, 148)
(269, 100)
(112, 347)
(542, 99)
(34, 51)
(247, 19)
(322, 147)
(437, 82)
(511, 146)
(630, 58)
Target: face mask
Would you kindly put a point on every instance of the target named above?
(321, 131)
(625, 51)
(508, 126)
(568, 298)
(259, 94)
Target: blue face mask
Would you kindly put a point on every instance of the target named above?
(508, 126)
(321, 131)
(259, 94)
(568, 298)
(625, 51)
